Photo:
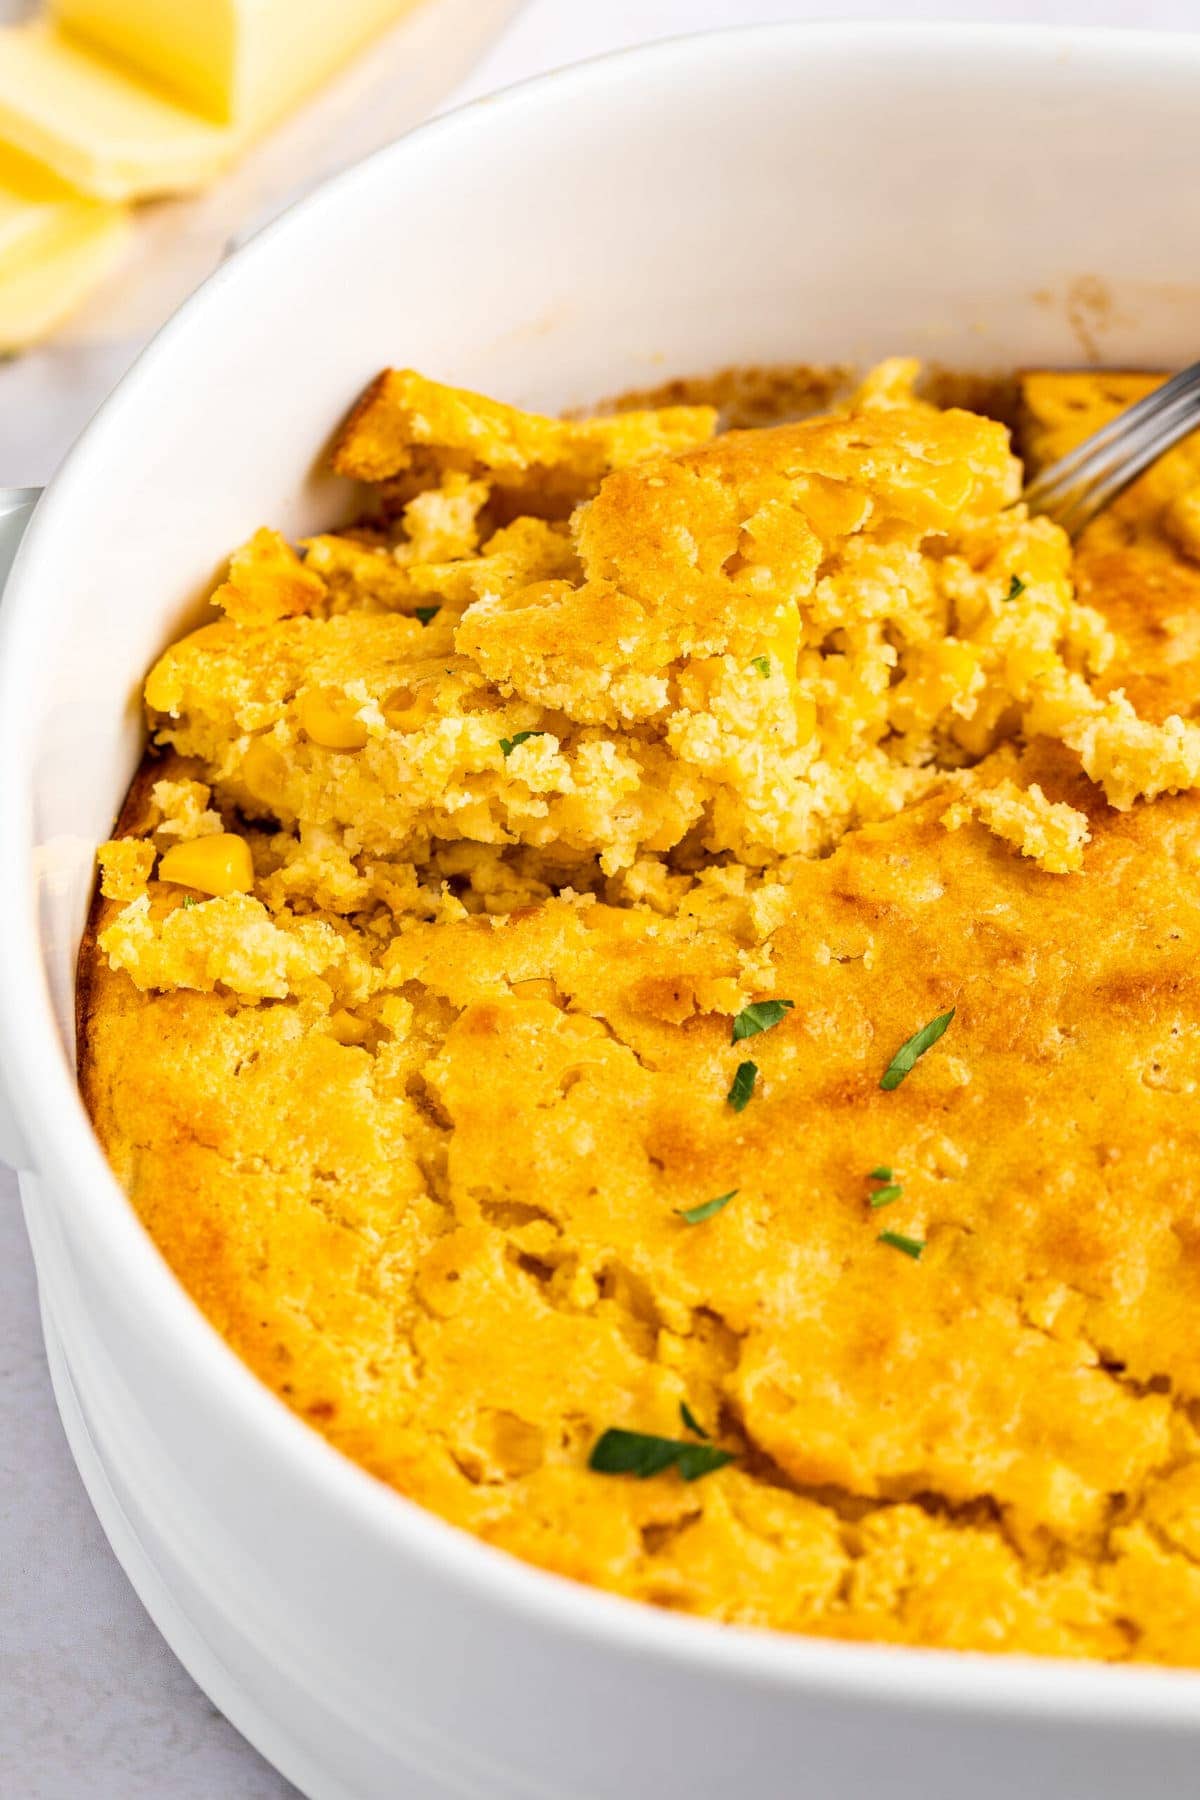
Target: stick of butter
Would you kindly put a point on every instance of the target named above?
(34, 206)
(98, 127)
(241, 62)
(56, 267)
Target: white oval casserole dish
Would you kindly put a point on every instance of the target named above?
(982, 196)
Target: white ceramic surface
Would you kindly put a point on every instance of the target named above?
(832, 192)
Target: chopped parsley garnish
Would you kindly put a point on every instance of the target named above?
(742, 1086)
(889, 1192)
(910, 1246)
(1016, 588)
(425, 613)
(508, 745)
(691, 1421)
(905, 1059)
(696, 1215)
(762, 664)
(759, 1016)
(637, 1453)
(189, 900)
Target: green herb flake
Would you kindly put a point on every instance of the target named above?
(886, 1196)
(425, 613)
(617, 1452)
(189, 900)
(882, 1173)
(508, 745)
(1016, 588)
(762, 664)
(696, 1215)
(742, 1086)
(692, 1422)
(910, 1246)
(906, 1057)
(761, 1015)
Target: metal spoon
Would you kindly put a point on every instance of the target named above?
(1082, 483)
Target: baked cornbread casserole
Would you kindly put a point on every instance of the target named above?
(651, 992)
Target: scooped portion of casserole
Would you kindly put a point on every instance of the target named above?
(650, 990)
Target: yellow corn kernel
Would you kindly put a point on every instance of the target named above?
(219, 864)
(406, 708)
(940, 675)
(1043, 562)
(328, 718)
(1181, 522)
(1026, 663)
(535, 988)
(517, 1446)
(346, 1028)
(806, 718)
(955, 662)
(783, 644)
(264, 769)
(396, 1015)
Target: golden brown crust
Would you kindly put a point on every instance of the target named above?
(432, 1196)
(402, 415)
(131, 821)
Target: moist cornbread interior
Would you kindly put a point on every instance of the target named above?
(407, 1011)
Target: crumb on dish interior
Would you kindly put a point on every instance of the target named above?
(649, 990)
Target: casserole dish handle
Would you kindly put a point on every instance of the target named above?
(16, 508)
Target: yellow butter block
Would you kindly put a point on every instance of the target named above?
(41, 284)
(97, 126)
(241, 62)
(34, 205)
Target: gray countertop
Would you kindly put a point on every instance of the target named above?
(91, 1700)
